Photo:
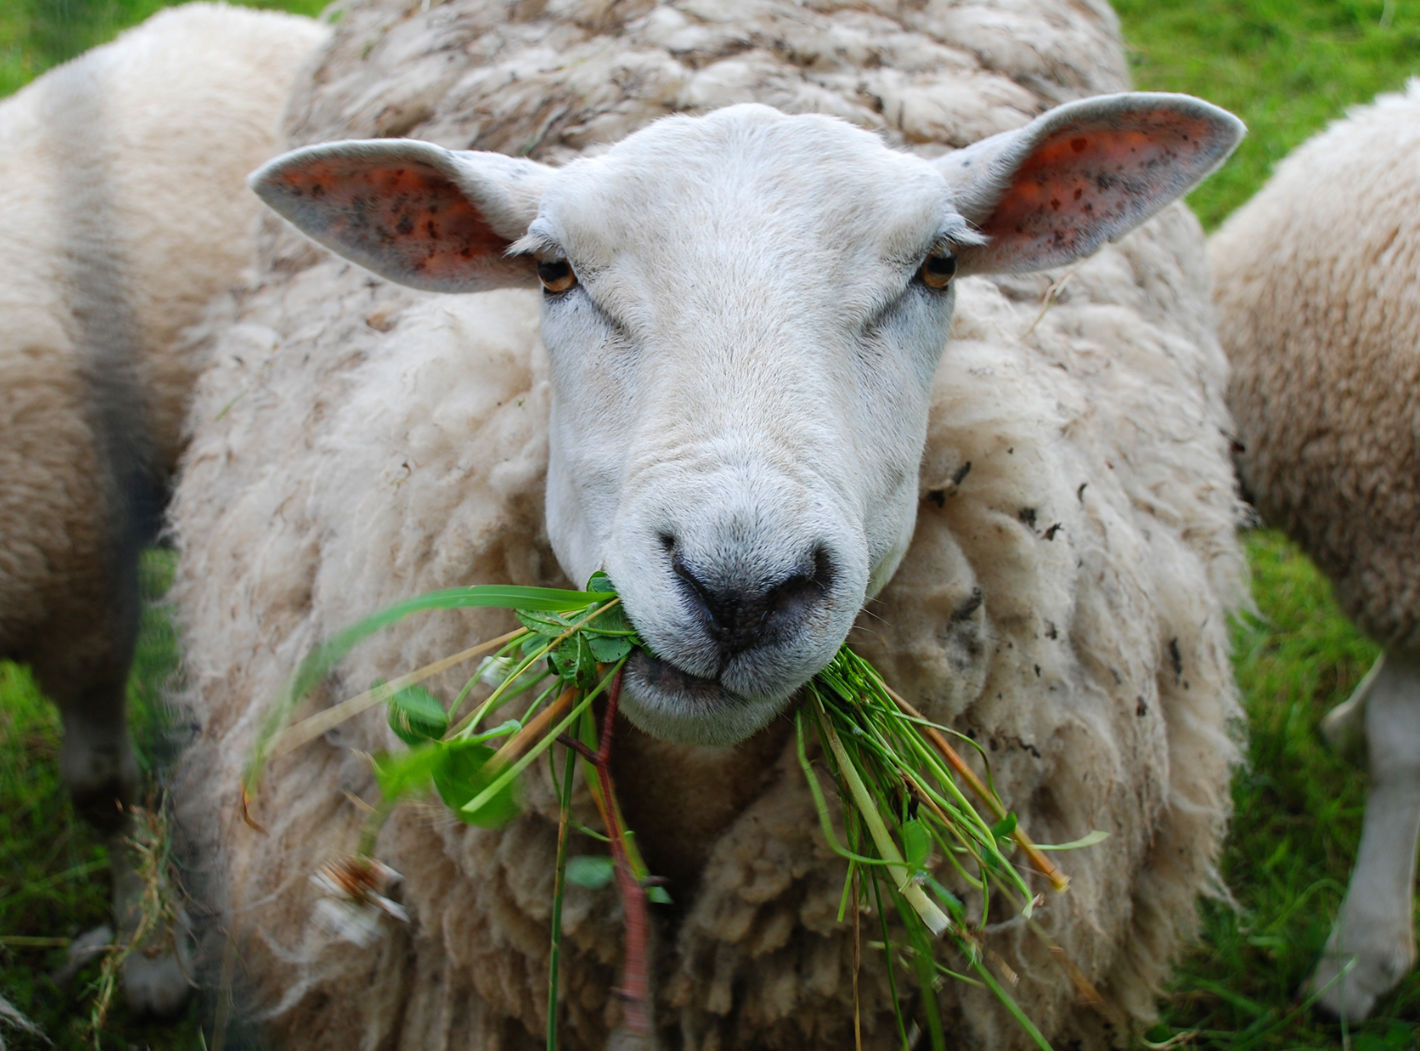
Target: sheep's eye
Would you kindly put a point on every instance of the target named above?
(938, 269)
(556, 274)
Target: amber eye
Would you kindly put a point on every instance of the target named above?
(938, 269)
(556, 274)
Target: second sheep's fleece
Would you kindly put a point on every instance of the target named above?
(121, 188)
(1063, 598)
(1319, 315)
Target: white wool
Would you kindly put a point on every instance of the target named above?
(1317, 311)
(121, 187)
(356, 444)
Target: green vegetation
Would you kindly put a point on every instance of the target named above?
(53, 868)
(1286, 67)
(877, 751)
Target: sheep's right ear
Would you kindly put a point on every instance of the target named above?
(411, 211)
(1082, 174)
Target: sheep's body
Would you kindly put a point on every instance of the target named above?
(1317, 312)
(1063, 600)
(121, 186)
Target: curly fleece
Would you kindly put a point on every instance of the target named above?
(1316, 309)
(1064, 600)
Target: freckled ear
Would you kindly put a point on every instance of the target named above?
(411, 211)
(1082, 174)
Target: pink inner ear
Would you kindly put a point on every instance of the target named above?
(1083, 185)
(408, 215)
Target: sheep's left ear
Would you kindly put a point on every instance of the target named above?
(411, 211)
(1082, 174)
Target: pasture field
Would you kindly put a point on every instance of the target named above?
(1286, 67)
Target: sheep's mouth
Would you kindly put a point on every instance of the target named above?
(674, 705)
(664, 677)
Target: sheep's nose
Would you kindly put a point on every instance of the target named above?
(741, 611)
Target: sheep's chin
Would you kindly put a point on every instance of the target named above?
(674, 706)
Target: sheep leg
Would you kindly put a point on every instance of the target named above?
(1344, 727)
(97, 764)
(1374, 935)
(96, 759)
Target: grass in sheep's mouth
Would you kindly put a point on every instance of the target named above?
(903, 812)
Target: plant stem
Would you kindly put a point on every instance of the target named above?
(1043, 864)
(496, 697)
(535, 729)
(311, 727)
(559, 887)
(935, 919)
(635, 983)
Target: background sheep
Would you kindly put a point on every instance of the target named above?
(1317, 312)
(121, 186)
(1063, 599)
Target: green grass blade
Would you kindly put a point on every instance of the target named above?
(319, 662)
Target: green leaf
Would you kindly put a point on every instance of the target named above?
(416, 715)
(548, 625)
(592, 871)
(916, 844)
(612, 622)
(573, 662)
(401, 774)
(463, 774)
(606, 649)
(1005, 827)
(600, 582)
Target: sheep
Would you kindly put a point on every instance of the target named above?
(1063, 474)
(121, 186)
(1317, 315)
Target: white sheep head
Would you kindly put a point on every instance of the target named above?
(743, 313)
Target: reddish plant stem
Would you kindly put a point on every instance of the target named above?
(635, 984)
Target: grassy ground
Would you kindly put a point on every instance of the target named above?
(1286, 67)
(53, 869)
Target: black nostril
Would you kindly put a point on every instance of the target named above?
(824, 571)
(741, 616)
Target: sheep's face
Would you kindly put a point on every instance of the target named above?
(741, 345)
(743, 314)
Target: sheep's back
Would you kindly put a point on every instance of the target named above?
(125, 213)
(122, 182)
(1317, 311)
(1063, 601)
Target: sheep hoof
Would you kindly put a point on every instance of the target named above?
(158, 985)
(155, 976)
(81, 951)
(157, 961)
(1355, 973)
(1347, 984)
